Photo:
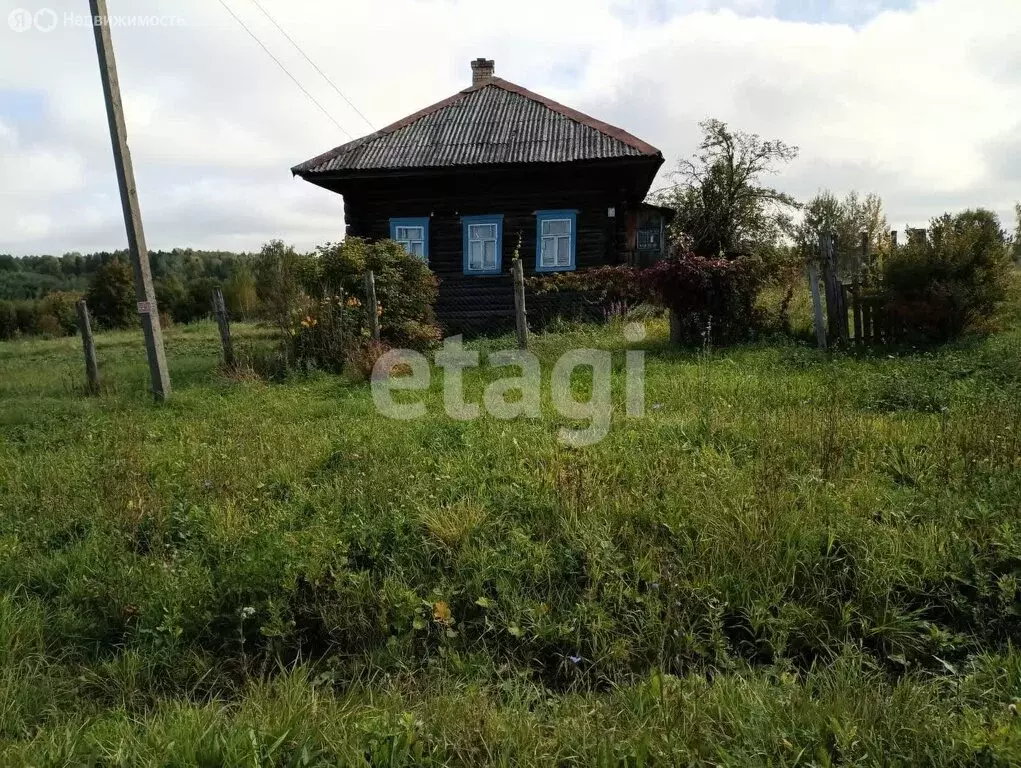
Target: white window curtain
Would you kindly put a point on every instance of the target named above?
(481, 247)
(556, 243)
(413, 240)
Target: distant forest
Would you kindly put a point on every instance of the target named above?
(37, 293)
(33, 277)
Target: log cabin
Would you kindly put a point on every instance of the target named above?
(493, 170)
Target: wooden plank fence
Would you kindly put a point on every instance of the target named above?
(855, 313)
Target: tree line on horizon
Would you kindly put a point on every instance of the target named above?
(723, 211)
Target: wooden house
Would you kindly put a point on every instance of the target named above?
(493, 169)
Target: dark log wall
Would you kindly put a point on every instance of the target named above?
(517, 194)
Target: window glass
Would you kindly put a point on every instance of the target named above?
(556, 243)
(483, 247)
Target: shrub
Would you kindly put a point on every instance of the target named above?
(610, 285)
(48, 326)
(172, 298)
(318, 303)
(950, 282)
(61, 307)
(702, 294)
(362, 358)
(405, 287)
(111, 296)
(8, 320)
(709, 299)
(26, 314)
(281, 275)
(327, 330)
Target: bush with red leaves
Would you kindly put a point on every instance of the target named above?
(711, 300)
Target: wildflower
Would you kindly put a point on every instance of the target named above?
(353, 302)
(441, 612)
(574, 659)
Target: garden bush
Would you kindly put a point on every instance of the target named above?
(705, 296)
(951, 281)
(406, 289)
(710, 300)
(318, 302)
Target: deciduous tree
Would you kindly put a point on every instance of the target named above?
(722, 205)
(111, 295)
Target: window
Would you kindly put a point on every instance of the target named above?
(483, 244)
(555, 240)
(413, 234)
(648, 239)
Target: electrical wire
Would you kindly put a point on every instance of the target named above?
(315, 66)
(285, 70)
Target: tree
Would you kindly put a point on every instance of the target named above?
(848, 218)
(281, 275)
(240, 294)
(951, 281)
(1017, 232)
(111, 296)
(722, 206)
(172, 297)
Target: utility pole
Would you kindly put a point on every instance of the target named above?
(129, 201)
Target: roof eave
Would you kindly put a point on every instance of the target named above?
(417, 171)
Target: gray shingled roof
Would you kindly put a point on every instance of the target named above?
(495, 122)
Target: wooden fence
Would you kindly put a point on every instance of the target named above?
(855, 313)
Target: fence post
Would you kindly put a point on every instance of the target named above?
(856, 311)
(813, 284)
(520, 317)
(832, 285)
(223, 321)
(371, 306)
(88, 346)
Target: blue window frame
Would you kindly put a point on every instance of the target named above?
(413, 234)
(483, 244)
(556, 235)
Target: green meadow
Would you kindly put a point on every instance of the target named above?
(793, 559)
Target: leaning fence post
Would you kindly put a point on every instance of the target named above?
(223, 321)
(836, 305)
(520, 317)
(88, 346)
(371, 306)
(813, 283)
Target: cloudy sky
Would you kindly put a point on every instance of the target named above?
(919, 101)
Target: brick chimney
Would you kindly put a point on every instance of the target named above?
(483, 71)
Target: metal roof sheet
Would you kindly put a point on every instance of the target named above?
(493, 123)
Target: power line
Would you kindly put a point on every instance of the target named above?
(286, 72)
(314, 65)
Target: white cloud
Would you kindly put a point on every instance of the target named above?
(920, 105)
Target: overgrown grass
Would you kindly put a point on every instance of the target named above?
(792, 559)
